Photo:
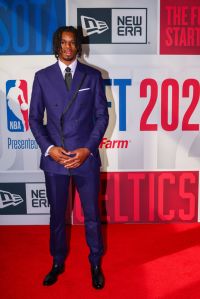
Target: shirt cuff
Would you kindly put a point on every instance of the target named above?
(47, 151)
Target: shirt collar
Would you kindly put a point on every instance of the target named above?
(63, 66)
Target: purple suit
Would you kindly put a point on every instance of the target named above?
(83, 125)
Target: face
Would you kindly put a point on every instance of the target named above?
(68, 50)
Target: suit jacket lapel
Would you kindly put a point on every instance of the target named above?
(58, 81)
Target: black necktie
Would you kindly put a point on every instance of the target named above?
(68, 77)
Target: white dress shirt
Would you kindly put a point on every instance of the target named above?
(63, 66)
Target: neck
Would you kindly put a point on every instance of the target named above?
(67, 62)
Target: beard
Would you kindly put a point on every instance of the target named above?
(67, 57)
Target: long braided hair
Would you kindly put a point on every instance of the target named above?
(58, 36)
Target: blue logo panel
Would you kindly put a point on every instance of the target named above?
(27, 26)
(12, 199)
(17, 105)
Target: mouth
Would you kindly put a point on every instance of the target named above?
(68, 53)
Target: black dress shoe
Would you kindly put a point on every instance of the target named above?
(97, 277)
(51, 277)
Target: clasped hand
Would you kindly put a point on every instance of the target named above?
(69, 159)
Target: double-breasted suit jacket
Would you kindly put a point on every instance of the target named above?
(83, 125)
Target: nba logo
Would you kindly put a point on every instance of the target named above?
(17, 105)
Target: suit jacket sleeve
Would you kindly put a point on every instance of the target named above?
(101, 116)
(36, 116)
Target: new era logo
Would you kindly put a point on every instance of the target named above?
(12, 199)
(9, 199)
(128, 29)
(113, 25)
(92, 26)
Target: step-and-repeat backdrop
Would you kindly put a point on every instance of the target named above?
(148, 54)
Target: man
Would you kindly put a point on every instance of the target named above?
(77, 117)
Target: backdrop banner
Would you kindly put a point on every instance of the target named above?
(148, 54)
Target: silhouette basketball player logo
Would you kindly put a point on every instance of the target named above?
(17, 106)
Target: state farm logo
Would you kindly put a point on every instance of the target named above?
(107, 143)
(9, 199)
(116, 26)
(17, 105)
(180, 27)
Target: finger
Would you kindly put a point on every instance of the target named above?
(62, 161)
(64, 157)
(71, 165)
(67, 161)
(63, 151)
(72, 152)
(72, 160)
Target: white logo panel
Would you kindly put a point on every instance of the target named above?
(37, 202)
(129, 25)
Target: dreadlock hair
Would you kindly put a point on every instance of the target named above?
(58, 36)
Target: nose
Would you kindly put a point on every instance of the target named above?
(68, 45)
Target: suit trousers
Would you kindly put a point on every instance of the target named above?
(87, 184)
